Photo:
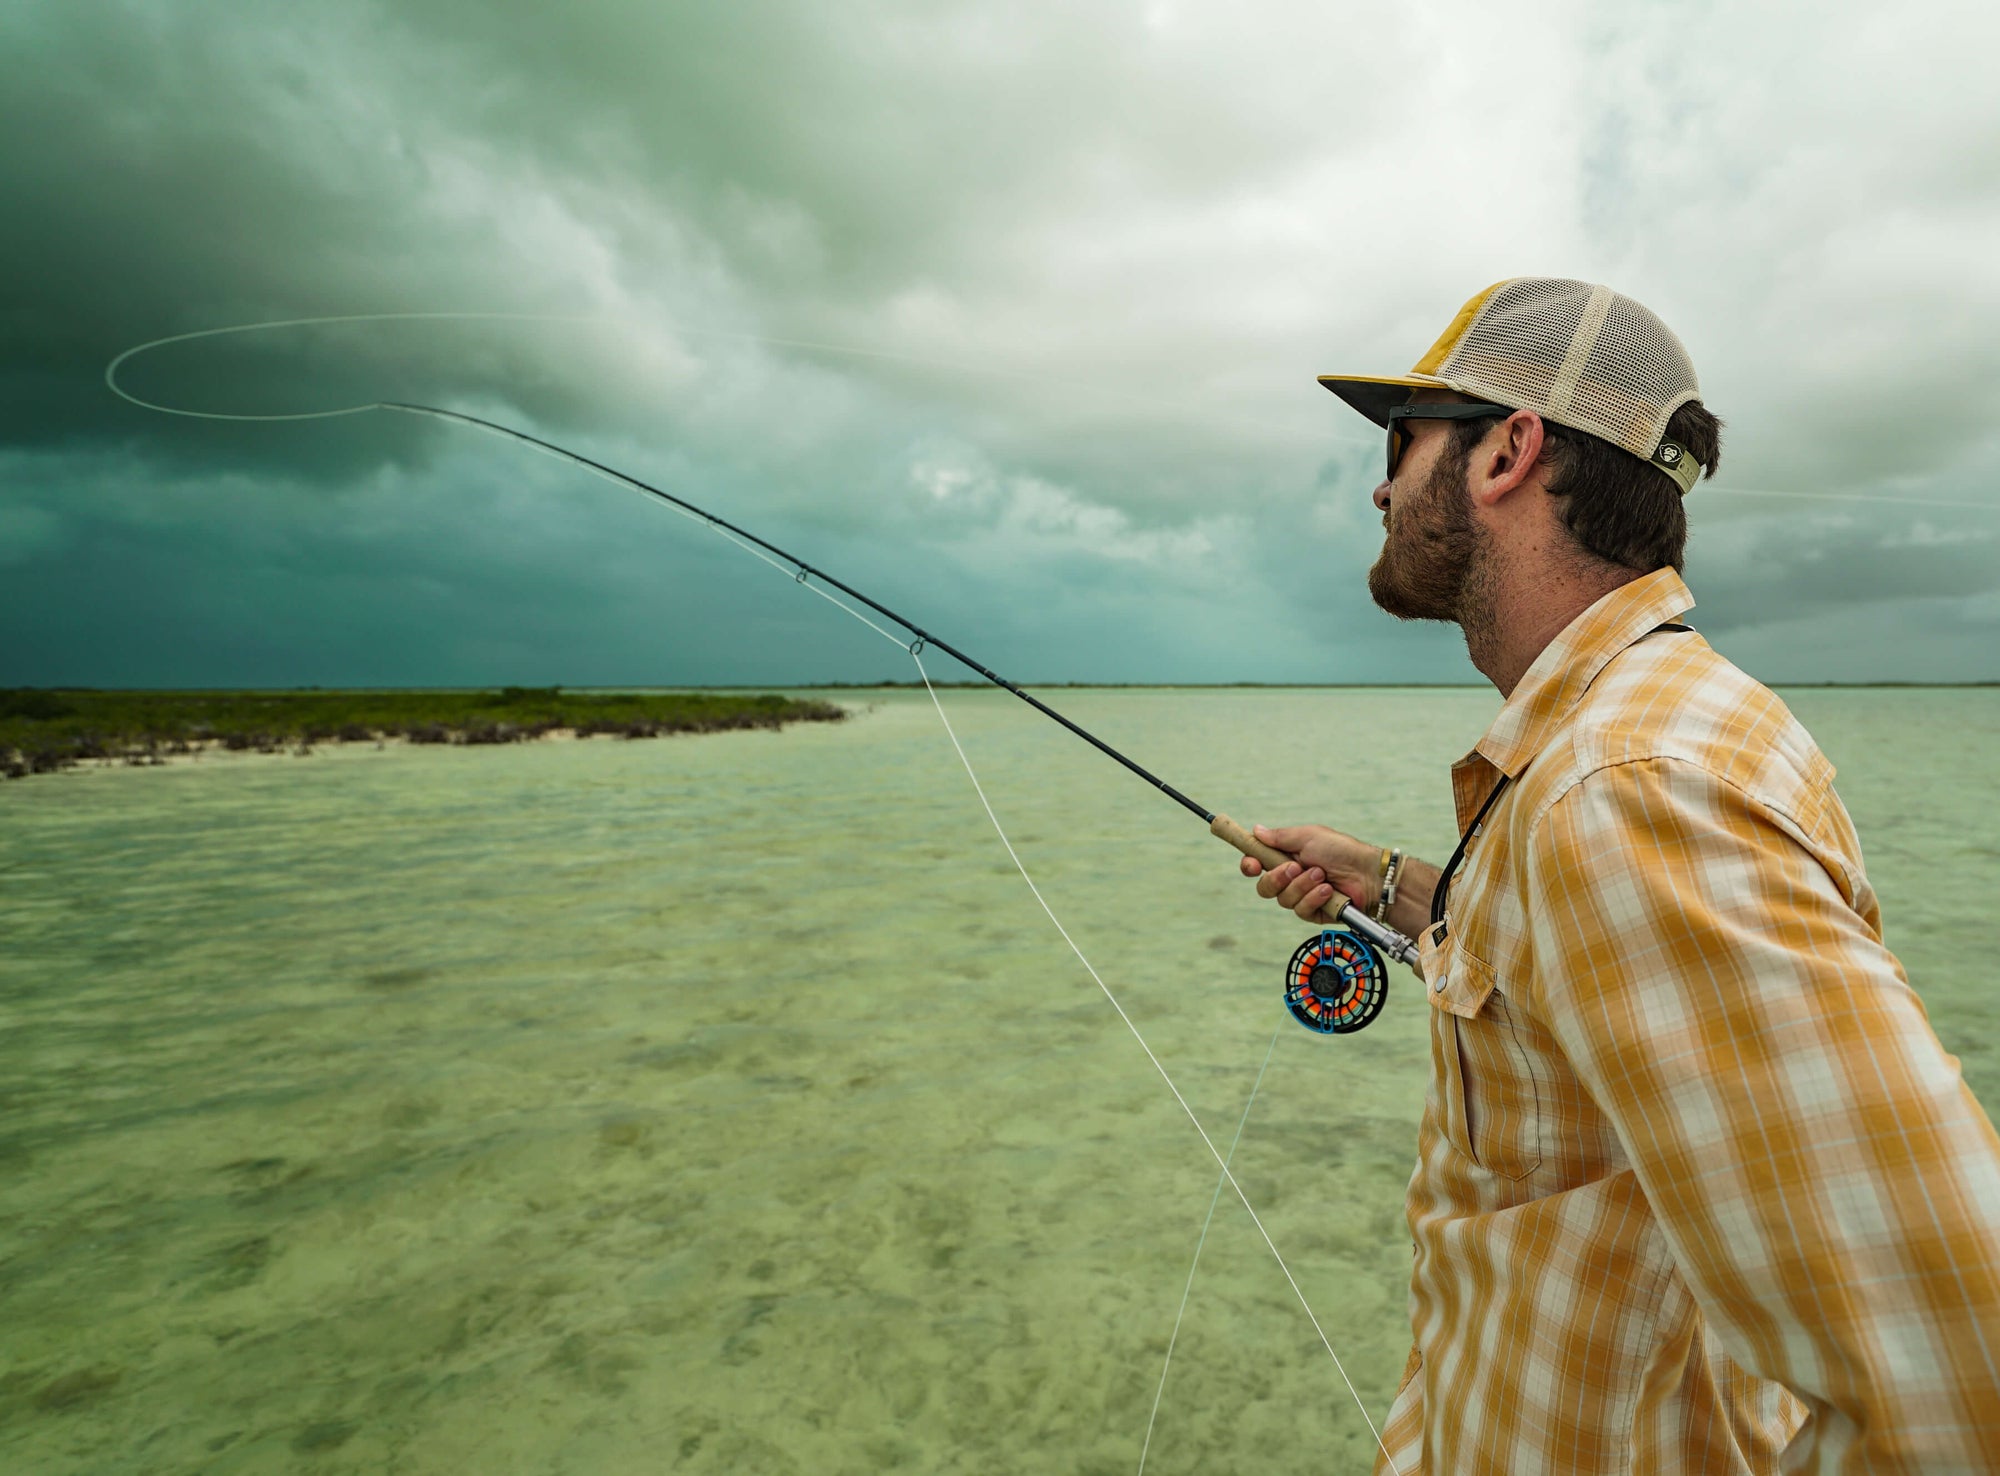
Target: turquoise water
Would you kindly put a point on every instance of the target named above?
(726, 1104)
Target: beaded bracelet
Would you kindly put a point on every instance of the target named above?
(1392, 869)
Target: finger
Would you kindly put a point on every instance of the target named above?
(1251, 866)
(1273, 882)
(1309, 906)
(1300, 884)
(1286, 838)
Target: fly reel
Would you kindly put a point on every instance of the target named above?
(1336, 983)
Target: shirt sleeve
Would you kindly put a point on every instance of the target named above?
(1828, 1185)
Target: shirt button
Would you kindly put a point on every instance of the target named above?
(1443, 979)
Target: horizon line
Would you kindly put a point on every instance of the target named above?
(1976, 682)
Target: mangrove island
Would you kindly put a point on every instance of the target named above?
(43, 730)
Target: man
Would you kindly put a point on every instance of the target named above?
(1697, 1188)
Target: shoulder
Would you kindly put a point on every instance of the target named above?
(1672, 700)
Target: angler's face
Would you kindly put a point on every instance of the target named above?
(1431, 539)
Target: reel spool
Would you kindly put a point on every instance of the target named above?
(1336, 983)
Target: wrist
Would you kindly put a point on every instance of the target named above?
(1388, 877)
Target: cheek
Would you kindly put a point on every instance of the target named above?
(1410, 513)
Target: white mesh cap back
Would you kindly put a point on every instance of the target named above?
(1578, 353)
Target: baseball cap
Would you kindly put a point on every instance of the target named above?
(1573, 352)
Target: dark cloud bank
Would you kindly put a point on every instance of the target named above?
(1011, 317)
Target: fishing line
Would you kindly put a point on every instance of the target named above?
(1371, 934)
(1148, 401)
(1207, 1142)
(1200, 1241)
(111, 369)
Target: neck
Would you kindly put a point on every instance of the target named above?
(1513, 608)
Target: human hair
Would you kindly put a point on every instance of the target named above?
(1617, 507)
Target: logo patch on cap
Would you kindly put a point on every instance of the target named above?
(1672, 458)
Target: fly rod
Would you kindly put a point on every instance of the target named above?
(1335, 983)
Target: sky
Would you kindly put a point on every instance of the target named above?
(1008, 315)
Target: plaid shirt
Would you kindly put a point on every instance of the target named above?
(1697, 1188)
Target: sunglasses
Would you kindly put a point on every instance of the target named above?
(1400, 435)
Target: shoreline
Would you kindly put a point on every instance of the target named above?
(44, 731)
(214, 749)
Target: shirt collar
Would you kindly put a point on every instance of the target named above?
(1570, 663)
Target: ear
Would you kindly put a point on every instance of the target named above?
(1507, 458)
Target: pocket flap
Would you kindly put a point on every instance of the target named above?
(1458, 982)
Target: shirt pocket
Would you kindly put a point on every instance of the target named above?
(1487, 1083)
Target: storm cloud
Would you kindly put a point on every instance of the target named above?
(1007, 314)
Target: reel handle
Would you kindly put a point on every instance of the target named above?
(1224, 828)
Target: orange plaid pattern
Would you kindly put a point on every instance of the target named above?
(1697, 1188)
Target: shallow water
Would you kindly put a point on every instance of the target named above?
(726, 1103)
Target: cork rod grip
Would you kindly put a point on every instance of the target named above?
(1224, 828)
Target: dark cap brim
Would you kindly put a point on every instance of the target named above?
(1374, 396)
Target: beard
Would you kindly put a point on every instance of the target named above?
(1431, 565)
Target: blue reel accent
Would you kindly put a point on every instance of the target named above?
(1336, 983)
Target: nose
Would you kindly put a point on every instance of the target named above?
(1380, 497)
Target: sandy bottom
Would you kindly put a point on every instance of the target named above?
(725, 1104)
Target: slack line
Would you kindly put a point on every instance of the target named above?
(1335, 983)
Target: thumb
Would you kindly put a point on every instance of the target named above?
(1286, 838)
